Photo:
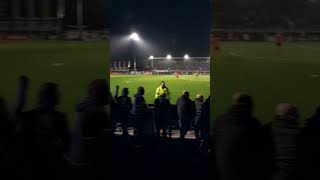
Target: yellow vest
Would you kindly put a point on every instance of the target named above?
(161, 90)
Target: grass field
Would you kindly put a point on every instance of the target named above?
(193, 84)
(271, 75)
(70, 64)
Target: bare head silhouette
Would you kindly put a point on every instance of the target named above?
(99, 90)
(49, 95)
(286, 111)
(242, 98)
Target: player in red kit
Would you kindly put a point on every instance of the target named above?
(278, 38)
(215, 42)
(177, 75)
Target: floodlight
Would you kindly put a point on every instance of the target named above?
(169, 57)
(135, 36)
(151, 57)
(186, 56)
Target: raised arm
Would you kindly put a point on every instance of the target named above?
(117, 92)
(23, 84)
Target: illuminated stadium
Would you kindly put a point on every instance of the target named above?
(249, 58)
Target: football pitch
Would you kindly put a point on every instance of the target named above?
(194, 84)
(70, 64)
(270, 74)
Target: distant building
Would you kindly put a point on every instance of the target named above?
(31, 15)
(52, 15)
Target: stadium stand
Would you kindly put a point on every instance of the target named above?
(49, 20)
(161, 67)
(260, 20)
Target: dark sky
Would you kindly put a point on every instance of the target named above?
(166, 26)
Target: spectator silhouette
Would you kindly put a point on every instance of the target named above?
(6, 136)
(162, 114)
(186, 112)
(5, 123)
(309, 148)
(124, 106)
(139, 104)
(204, 122)
(90, 126)
(199, 102)
(237, 137)
(44, 134)
(285, 133)
(139, 111)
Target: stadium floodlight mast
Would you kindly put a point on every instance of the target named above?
(152, 61)
(135, 38)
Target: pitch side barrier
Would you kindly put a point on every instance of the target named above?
(173, 72)
(266, 35)
(148, 122)
(159, 72)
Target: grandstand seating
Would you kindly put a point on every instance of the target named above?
(265, 14)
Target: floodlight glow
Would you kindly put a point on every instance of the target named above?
(169, 57)
(151, 57)
(186, 56)
(135, 37)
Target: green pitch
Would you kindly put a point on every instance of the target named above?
(195, 85)
(271, 75)
(70, 64)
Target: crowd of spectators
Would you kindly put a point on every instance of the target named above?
(39, 144)
(243, 148)
(162, 116)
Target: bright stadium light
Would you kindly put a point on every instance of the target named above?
(169, 57)
(151, 57)
(134, 36)
(186, 56)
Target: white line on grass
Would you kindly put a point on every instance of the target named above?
(232, 53)
(57, 64)
(305, 47)
(238, 55)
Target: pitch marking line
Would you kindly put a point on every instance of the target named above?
(232, 53)
(57, 64)
(306, 47)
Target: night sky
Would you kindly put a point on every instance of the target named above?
(166, 26)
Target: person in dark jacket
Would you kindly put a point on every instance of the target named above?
(139, 104)
(124, 106)
(6, 136)
(237, 142)
(204, 124)
(285, 133)
(186, 112)
(162, 114)
(309, 148)
(44, 133)
(140, 111)
(92, 122)
(199, 101)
